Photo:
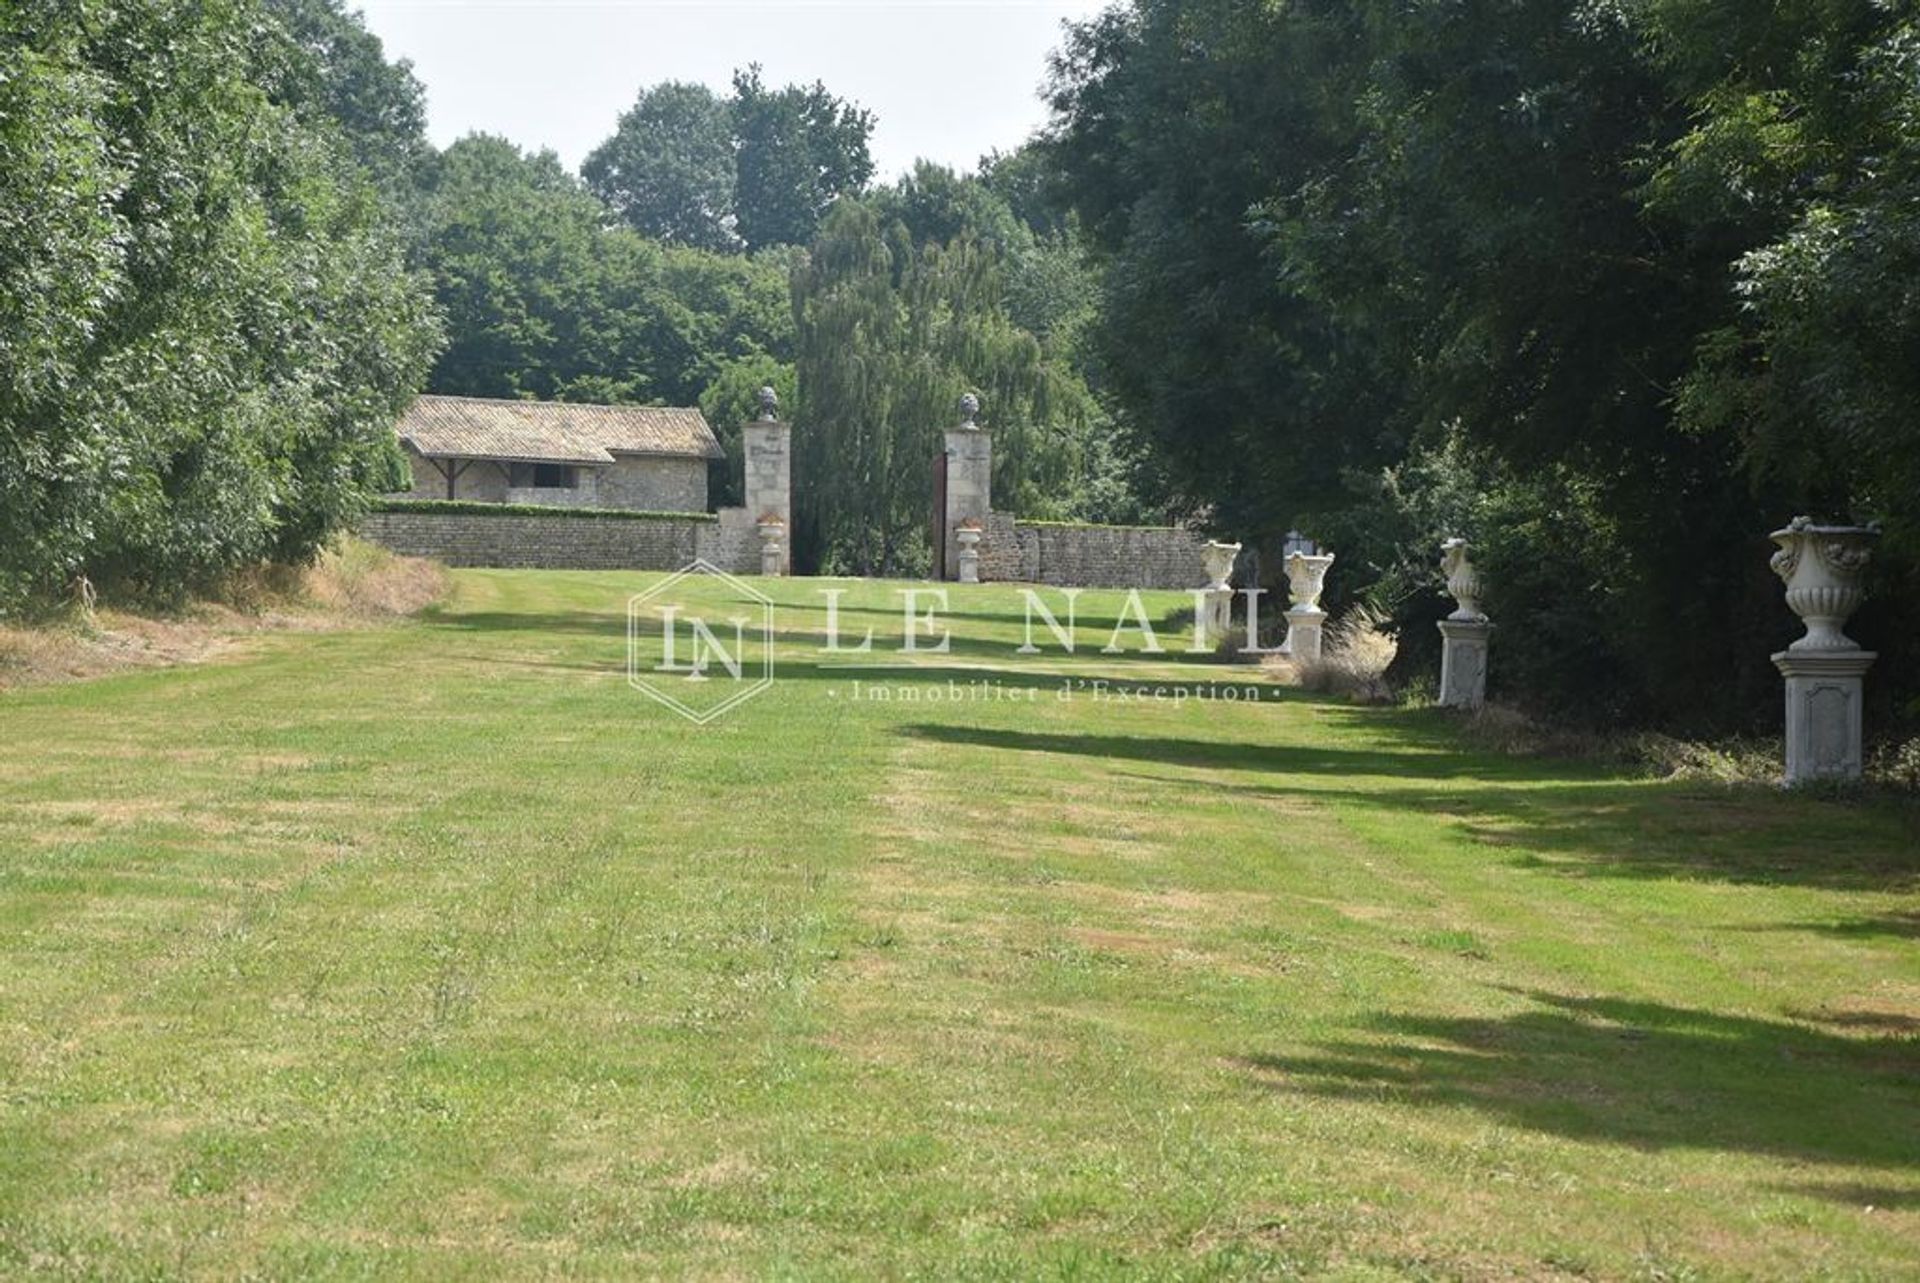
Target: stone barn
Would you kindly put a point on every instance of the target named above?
(550, 452)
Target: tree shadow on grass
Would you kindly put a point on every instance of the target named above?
(571, 622)
(1624, 828)
(1886, 1023)
(1679, 832)
(1570, 820)
(1635, 1073)
(1688, 834)
(613, 627)
(1857, 1194)
(1887, 926)
(924, 683)
(1229, 755)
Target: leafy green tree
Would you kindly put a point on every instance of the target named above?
(1482, 231)
(513, 252)
(206, 329)
(1047, 289)
(337, 69)
(547, 298)
(730, 307)
(797, 150)
(938, 206)
(1173, 123)
(1804, 148)
(668, 168)
(1026, 179)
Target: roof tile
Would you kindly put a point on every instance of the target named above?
(459, 427)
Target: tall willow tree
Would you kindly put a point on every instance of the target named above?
(888, 340)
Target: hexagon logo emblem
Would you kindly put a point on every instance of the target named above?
(700, 642)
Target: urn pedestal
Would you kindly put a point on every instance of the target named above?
(1824, 689)
(1303, 633)
(969, 540)
(969, 486)
(1464, 633)
(1823, 568)
(1306, 578)
(1463, 662)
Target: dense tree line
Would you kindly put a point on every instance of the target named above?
(903, 295)
(231, 257)
(546, 298)
(917, 292)
(1609, 289)
(1612, 289)
(688, 265)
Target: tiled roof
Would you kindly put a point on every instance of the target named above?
(460, 427)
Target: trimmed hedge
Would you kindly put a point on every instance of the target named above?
(473, 508)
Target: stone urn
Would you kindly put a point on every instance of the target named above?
(1463, 581)
(1216, 612)
(773, 553)
(1219, 558)
(968, 537)
(1306, 579)
(1823, 568)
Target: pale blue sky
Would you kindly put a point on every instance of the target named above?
(948, 79)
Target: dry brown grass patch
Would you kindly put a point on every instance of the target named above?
(352, 583)
(728, 1169)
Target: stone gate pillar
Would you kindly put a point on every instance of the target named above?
(766, 450)
(969, 479)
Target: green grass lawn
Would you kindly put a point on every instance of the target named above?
(437, 951)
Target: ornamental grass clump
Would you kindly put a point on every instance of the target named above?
(1353, 659)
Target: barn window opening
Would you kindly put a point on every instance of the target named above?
(546, 476)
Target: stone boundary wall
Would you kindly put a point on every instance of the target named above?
(1001, 556)
(1070, 556)
(731, 541)
(1062, 556)
(562, 541)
